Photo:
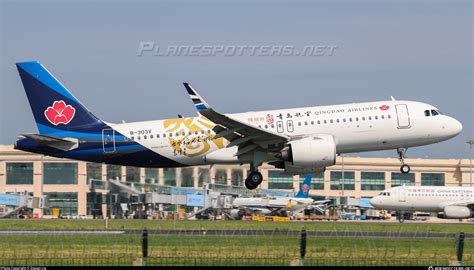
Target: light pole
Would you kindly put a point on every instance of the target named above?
(471, 142)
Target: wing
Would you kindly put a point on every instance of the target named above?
(247, 137)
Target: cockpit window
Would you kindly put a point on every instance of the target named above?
(433, 112)
(427, 113)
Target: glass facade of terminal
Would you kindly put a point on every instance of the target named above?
(203, 176)
(278, 180)
(94, 203)
(152, 175)
(221, 177)
(19, 173)
(65, 201)
(432, 179)
(372, 180)
(132, 174)
(94, 171)
(317, 180)
(57, 173)
(338, 182)
(400, 179)
(237, 178)
(187, 179)
(170, 176)
(114, 172)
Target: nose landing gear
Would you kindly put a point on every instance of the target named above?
(404, 168)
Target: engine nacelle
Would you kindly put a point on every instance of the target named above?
(317, 151)
(236, 214)
(456, 212)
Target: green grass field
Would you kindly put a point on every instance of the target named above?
(124, 249)
(134, 224)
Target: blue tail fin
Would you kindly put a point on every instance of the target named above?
(305, 187)
(55, 109)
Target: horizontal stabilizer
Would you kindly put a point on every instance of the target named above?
(61, 143)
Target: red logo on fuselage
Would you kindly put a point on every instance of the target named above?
(60, 113)
(270, 119)
(384, 107)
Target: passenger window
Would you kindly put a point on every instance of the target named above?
(383, 117)
(363, 118)
(350, 119)
(376, 117)
(319, 122)
(273, 126)
(312, 122)
(388, 116)
(144, 137)
(138, 138)
(132, 138)
(330, 121)
(370, 117)
(325, 122)
(177, 134)
(164, 135)
(433, 112)
(344, 120)
(337, 120)
(266, 126)
(305, 123)
(151, 136)
(299, 123)
(171, 134)
(427, 113)
(357, 118)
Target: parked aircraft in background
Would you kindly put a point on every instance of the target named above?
(298, 140)
(448, 202)
(273, 205)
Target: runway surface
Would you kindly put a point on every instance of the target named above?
(366, 234)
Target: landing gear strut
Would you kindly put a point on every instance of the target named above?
(254, 179)
(404, 168)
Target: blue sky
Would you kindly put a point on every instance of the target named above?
(416, 50)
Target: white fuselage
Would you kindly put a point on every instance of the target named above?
(287, 203)
(423, 198)
(356, 127)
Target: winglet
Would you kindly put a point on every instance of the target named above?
(198, 101)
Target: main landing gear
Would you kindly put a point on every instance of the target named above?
(404, 168)
(254, 179)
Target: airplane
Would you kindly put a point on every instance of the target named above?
(297, 140)
(277, 205)
(448, 202)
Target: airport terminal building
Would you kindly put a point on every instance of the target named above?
(67, 183)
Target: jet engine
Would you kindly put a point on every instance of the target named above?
(236, 214)
(309, 154)
(456, 212)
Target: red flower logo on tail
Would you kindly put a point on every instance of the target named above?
(384, 107)
(305, 188)
(60, 113)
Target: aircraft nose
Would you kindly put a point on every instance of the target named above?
(374, 202)
(455, 127)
